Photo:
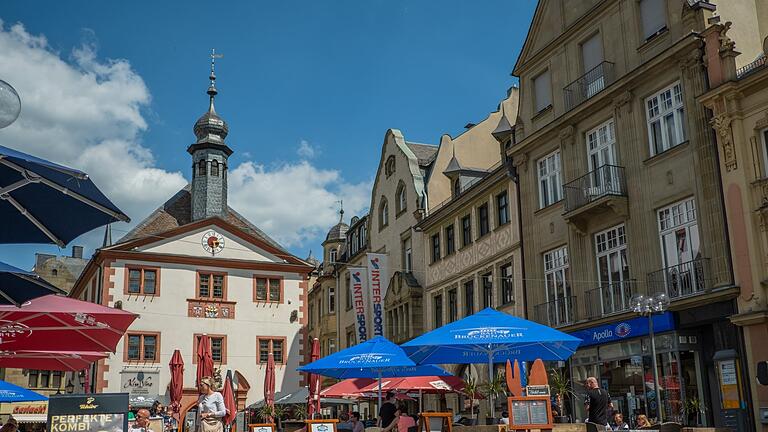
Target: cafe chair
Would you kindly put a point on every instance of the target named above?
(671, 427)
(594, 427)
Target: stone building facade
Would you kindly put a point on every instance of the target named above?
(738, 102)
(620, 195)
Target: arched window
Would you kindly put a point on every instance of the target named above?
(201, 168)
(215, 168)
(389, 167)
(402, 199)
(383, 213)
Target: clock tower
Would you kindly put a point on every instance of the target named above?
(210, 160)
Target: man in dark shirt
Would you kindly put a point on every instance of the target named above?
(597, 403)
(387, 411)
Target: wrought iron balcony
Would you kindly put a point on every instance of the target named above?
(603, 181)
(556, 313)
(588, 85)
(609, 299)
(682, 280)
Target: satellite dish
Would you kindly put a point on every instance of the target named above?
(10, 104)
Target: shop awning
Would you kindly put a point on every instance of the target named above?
(30, 418)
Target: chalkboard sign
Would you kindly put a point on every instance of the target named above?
(261, 427)
(326, 425)
(435, 422)
(530, 412)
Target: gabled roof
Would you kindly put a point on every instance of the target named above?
(177, 211)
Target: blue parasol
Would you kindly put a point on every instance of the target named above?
(43, 202)
(375, 358)
(490, 336)
(17, 286)
(14, 393)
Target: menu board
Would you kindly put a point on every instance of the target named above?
(325, 425)
(88, 413)
(530, 412)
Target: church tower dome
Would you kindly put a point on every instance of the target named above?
(210, 155)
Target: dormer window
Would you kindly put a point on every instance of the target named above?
(456, 188)
(214, 168)
(201, 168)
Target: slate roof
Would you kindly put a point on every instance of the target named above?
(425, 153)
(177, 211)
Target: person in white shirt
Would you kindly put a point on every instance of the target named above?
(504, 418)
(210, 407)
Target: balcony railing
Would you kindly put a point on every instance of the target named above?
(609, 299)
(606, 180)
(682, 280)
(588, 85)
(755, 66)
(556, 313)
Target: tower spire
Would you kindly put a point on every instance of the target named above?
(212, 92)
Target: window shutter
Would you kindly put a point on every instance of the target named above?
(543, 93)
(653, 16)
(592, 52)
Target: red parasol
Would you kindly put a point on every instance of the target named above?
(228, 393)
(63, 324)
(269, 384)
(424, 384)
(349, 388)
(314, 383)
(204, 358)
(176, 387)
(49, 360)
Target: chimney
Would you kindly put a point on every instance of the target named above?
(77, 252)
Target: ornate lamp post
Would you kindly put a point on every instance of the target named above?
(647, 306)
(10, 104)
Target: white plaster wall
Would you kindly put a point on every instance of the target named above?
(167, 314)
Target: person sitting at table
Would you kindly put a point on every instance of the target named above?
(642, 422)
(618, 423)
(504, 420)
(357, 425)
(344, 423)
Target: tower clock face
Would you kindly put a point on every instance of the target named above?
(213, 242)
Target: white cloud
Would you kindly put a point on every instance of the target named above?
(89, 113)
(306, 150)
(295, 202)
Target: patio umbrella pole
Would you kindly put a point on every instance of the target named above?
(421, 408)
(490, 380)
(379, 407)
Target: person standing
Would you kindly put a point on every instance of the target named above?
(210, 407)
(388, 411)
(597, 402)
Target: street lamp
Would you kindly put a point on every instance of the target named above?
(69, 388)
(647, 306)
(10, 104)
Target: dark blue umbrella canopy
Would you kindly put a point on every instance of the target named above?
(17, 286)
(43, 202)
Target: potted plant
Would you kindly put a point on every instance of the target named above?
(496, 387)
(300, 412)
(560, 388)
(470, 388)
(266, 413)
(693, 408)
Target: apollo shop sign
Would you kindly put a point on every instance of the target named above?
(627, 329)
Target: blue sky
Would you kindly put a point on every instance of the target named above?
(335, 75)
